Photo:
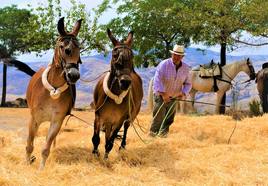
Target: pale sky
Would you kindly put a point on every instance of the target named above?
(243, 50)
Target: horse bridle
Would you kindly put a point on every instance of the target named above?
(64, 65)
(117, 61)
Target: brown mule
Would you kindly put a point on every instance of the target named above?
(262, 86)
(51, 91)
(117, 96)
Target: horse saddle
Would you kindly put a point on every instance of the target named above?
(210, 70)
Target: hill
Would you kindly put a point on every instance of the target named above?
(93, 66)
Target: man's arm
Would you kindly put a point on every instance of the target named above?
(159, 85)
(187, 85)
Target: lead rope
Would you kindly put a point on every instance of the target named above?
(235, 94)
(130, 104)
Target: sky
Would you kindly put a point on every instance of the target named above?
(243, 50)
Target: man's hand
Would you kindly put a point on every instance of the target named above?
(181, 95)
(165, 97)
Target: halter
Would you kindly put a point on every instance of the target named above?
(56, 92)
(63, 63)
(117, 98)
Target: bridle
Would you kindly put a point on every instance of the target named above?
(64, 65)
(118, 65)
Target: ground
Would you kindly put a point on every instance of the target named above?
(196, 152)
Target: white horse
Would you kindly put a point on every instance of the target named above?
(229, 72)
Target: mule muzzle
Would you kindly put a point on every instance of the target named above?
(72, 75)
(125, 82)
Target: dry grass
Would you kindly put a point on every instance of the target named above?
(195, 153)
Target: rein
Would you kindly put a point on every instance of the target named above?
(89, 81)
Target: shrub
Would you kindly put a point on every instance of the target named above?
(254, 107)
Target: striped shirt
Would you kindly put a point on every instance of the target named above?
(167, 79)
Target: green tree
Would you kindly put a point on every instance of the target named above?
(256, 16)
(22, 31)
(156, 24)
(218, 22)
(15, 25)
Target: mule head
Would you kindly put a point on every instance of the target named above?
(67, 52)
(122, 60)
(251, 71)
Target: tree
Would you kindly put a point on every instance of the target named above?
(256, 16)
(156, 24)
(14, 28)
(22, 31)
(217, 22)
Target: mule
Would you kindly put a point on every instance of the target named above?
(262, 86)
(117, 96)
(229, 72)
(51, 91)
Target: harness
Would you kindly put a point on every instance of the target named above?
(54, 92)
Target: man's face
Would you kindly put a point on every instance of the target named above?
(176, 59)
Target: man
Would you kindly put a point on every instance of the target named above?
(171, 80)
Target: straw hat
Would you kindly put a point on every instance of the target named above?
(178, 50)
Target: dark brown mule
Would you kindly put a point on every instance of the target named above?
(117, 96)
(53, 105)
(262, 86)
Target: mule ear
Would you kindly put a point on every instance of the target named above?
(129, 40)
(61, 28)
(112, 38)
(248, 60)
(76, 27)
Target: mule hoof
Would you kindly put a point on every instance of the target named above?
(105, 156)
(32, 159)
(96, 153)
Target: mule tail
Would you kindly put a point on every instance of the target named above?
(19, 65)
(265, 92)
(150, 96)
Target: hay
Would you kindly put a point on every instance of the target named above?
(195, 153)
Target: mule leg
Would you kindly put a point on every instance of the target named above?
(52, 133)
(109, 137)
(192, 95)
(123, 143)
(219, 98)
(33, 127)
(96, 136)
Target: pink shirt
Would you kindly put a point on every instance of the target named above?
(167, 79)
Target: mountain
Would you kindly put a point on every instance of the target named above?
(94, 66)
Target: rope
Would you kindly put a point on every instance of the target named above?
(235, 95)
(205, 103)
(80, 120)
(89, 81)
(166, 116)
